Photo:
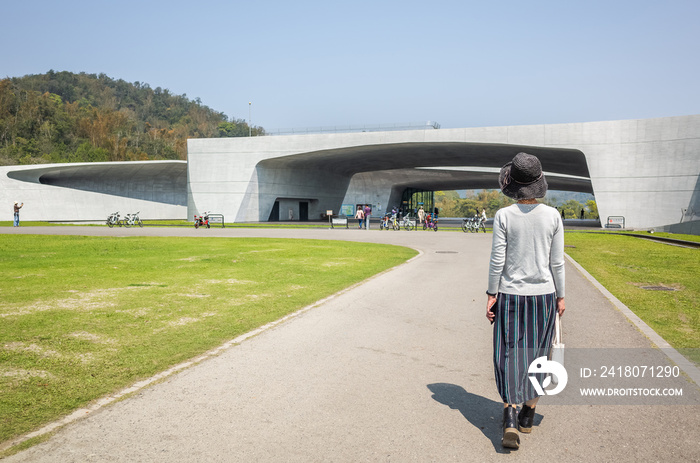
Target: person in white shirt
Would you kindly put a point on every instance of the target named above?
(525, 290)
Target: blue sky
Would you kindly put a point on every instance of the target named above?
(320, 63)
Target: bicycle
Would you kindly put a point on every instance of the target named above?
(394, 223)
(430, 223)
(113, 219)
(407, 223)
(389, 221)
(477, 223)
(473, 224)
(132, 219)
(201, 220)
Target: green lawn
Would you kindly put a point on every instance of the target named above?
(625, 264)
(82, 317)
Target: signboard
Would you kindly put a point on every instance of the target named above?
(347, 209)
(340, 221)
(615, 221)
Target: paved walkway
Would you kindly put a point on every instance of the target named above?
(396, 369)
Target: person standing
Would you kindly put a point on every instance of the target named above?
(17, 208)
(525, 289)
(368, 214)
(421, 215)
(360, 216)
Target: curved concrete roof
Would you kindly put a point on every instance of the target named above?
(454, 178)
(367, 158)
(161, 181)
(92, 191)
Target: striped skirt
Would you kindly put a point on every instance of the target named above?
(522, 332)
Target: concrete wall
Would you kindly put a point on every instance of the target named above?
(645, 170)
(91, 191)
(686, 228)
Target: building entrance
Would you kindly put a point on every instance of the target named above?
(413, 198)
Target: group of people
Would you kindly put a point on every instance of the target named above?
(364, 212)
(363, 215)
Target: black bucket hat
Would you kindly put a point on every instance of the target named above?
(522, 178)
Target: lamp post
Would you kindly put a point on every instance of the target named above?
(250, 128)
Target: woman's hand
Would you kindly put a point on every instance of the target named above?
(489, 304)
(560, 306)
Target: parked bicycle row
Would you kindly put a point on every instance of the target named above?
(126, 221)
(391, 221)
(474, 224)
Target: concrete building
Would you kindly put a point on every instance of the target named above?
(646, 172)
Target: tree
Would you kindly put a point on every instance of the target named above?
(49, 117)
(592, 212)
(451, 205)
(572, 209)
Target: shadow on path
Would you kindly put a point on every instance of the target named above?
(485, 414)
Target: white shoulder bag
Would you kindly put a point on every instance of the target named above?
(557, 346)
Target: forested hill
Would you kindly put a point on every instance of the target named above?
(67, 117)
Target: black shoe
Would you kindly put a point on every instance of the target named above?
(511, 439)
(525, 419)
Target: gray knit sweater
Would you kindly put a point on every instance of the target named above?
(527, 254)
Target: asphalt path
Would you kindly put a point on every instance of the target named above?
(398, 368)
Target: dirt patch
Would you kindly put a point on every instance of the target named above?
(183, 321)
(82, 301)
(20, 373)
(230, 281)
(32, 349)
(85, 336)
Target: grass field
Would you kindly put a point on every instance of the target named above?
(625, 265)
(82, 317)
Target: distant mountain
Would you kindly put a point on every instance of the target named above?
(555, 197)
(67, 117)
(558, 197)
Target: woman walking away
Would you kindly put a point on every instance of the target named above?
(360, 216)
(526, 289)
